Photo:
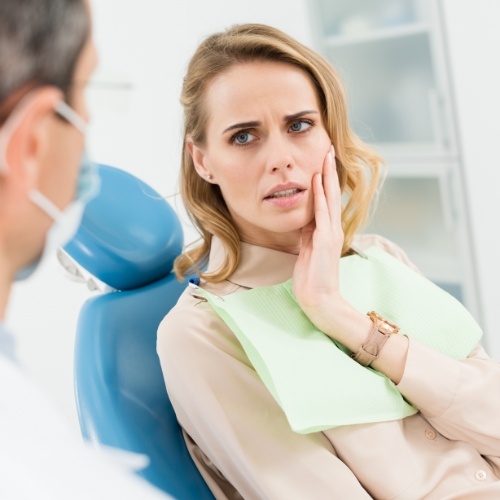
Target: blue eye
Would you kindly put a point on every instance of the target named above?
(242, 138)
(300, 126)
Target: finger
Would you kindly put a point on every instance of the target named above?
(321, 214)
(332, 186)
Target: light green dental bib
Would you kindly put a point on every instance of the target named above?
(313, 378)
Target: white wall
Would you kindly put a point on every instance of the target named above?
(146, 44)
(473, 43)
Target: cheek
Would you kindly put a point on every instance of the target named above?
(235, 187)
(236, 173)
(317, 152)
(60, 169)
(79, 100)
(67, 176)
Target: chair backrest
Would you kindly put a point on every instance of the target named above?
(128, 240)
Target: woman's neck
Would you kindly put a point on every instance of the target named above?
(281, 242)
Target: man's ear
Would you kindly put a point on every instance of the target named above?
(199, 160)
(25, 135)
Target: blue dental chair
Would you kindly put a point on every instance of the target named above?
(125, 248)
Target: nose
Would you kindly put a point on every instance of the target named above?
(278, 155)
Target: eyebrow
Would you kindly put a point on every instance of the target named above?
(256, 123)
(242, 125)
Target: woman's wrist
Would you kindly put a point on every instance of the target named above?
(345, 324)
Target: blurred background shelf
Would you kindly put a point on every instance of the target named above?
(377, 35)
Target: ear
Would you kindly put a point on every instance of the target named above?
(199, 160)
(25, 134)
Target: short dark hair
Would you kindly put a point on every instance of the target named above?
(40, 42)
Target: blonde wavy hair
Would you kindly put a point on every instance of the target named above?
(358, 166)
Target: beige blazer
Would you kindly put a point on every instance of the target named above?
(243, 445)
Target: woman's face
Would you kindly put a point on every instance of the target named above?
(265, 139)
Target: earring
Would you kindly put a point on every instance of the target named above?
(209, 177)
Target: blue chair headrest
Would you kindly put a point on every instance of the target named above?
(129, 235)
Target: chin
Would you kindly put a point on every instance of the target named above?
(292, 225)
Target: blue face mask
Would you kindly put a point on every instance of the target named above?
(67, 221)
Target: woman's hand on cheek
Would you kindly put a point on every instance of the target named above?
(316, 273)
(316, 278)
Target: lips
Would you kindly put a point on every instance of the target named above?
(282, 194)
(282, 191)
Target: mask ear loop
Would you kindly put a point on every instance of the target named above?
(45, 204)
(71, 116)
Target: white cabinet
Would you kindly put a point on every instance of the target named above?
(391, 57)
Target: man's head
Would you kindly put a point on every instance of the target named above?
(46, 57)
(40, 42)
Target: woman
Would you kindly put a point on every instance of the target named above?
(279, 187)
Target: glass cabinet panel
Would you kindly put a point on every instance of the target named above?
(383, 53)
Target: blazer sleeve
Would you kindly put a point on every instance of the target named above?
(460, 398)
(224, 407)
